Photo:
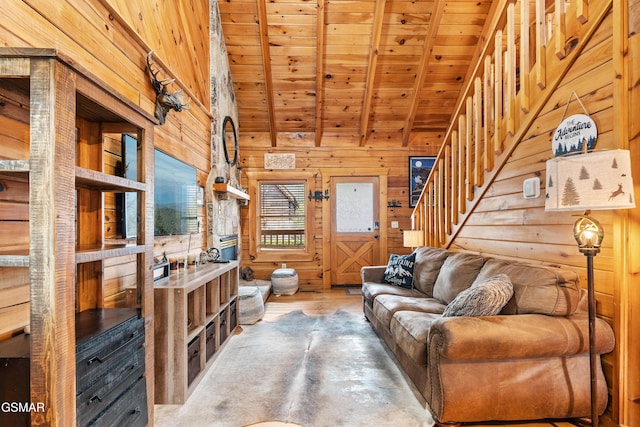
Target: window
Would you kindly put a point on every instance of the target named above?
(280, 216)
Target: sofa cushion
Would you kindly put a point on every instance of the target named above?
(385, 306)
(537, 289)
(410, 330)
(456, 274)
(428, 263)
(399, 270)
(482, 298)
(371, 290)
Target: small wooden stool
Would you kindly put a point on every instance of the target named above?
(250, 305)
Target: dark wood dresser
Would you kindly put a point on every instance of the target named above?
(110, 382)
(14, 379)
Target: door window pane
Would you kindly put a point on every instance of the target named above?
(354, 207)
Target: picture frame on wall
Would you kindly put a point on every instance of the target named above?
(419, 170)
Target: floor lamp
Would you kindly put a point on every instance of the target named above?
(585, 182)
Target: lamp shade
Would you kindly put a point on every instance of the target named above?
(597, 180)
(412, 238)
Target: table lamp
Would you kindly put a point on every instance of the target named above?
(412, 238)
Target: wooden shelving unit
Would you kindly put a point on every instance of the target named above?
(195, 313)
(70, 111)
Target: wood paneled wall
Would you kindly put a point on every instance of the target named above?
(111, 39)
(630, 286)
(494, 219)
(14, 214)
(504, 224)
(312, 159)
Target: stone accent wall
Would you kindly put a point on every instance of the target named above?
(223, 216)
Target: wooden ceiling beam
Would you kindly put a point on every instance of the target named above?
(429, 43)
(266, 63)
(320, 55)
(378, 21)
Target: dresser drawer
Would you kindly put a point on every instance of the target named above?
(102, 393)
(129, 410)
(92, 370)
(98, 329)
(14, 378)
(107, 349)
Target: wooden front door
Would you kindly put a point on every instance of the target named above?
(355, 227)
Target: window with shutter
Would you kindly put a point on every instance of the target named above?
(280, 220)
(282, 215)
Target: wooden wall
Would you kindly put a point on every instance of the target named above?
(501, 223)
(504, 224)
(630, 299)
(111, 38)
(312, 159)
(14, 211)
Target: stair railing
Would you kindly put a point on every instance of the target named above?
(529, 46)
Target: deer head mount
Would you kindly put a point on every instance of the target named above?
(165, 100)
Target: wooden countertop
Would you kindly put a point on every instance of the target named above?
(194, 276)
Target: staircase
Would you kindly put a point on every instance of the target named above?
(527, 48)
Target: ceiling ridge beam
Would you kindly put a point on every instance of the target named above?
(320, 51)
(266, 64)
(378, 21)
(430, 40)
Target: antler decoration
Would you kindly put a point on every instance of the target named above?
(165, 101)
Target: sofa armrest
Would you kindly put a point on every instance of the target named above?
(515, 337)
(373, 273)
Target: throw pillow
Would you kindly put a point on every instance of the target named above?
(399, 270)
(482, 299)
(456, 274)
(428, 263)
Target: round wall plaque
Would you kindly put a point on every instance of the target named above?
(573, 134)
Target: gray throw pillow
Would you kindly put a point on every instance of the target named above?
(482, 299)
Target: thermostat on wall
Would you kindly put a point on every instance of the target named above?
(531, 188)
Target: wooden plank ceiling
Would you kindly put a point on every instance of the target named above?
(349, 72)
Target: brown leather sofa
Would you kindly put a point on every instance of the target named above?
(531, 361)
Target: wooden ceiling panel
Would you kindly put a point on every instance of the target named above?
(344, 7)
(350, 72)
(409, 7)
(462, 7)
(294, 9)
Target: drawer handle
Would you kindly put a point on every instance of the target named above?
(94, 398)
(117, 350)
(136, 410)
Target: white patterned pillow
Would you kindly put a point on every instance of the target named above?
(482, 299)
